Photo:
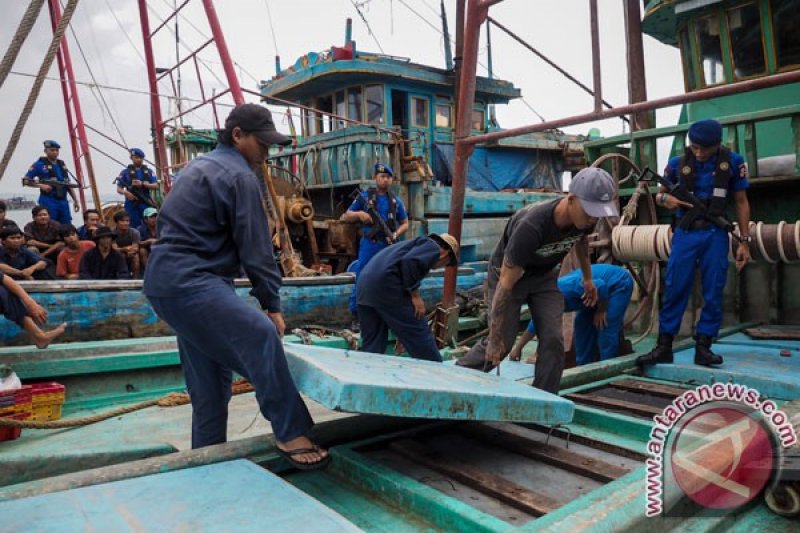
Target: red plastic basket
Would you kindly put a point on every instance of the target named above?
(11, 433)
(47, 399)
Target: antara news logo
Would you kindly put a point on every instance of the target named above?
(718, 445)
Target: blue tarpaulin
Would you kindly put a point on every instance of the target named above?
(495, 169)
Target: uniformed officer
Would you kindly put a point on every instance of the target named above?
(388, 294)
(54, 198)
(384, 204)
(210, 227)
(714, 174)
(135, 183)
(597, 329)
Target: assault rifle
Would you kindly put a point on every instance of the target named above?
(59, 187)
(137, 192)
(699, 208)
(376, 216)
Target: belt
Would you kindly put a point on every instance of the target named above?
(698, 223)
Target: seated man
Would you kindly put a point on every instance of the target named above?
(127, 242)
(596, 328)
(69, 260)
(43, 235)
(103, 262)
(5, 222)
(388, 294)
(17, 306)
(91, 221)
(148, 233)
(17, 261)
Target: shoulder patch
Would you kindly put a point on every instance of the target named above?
(686, 170)
(724, 166)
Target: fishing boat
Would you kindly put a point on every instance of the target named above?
(419, 446)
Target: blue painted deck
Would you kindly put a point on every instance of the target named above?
(232, 496)
(358, 382)
(745, 339)
(755, 363)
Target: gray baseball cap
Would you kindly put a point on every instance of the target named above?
(595, 188)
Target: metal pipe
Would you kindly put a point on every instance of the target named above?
(461, 7)
(703, 94)
(476, 15)
(448, 51)
(224, 55)
(637, 89)
(596, 74)
(160, 144)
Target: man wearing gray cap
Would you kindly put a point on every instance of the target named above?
(211, 226)
(523, 270)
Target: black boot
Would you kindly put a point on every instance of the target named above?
(662, 353)
(703, 354)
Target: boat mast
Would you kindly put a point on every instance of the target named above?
(72, 107)
(154, 75)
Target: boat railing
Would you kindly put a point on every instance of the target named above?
(739, 134)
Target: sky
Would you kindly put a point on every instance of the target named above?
(109, 41)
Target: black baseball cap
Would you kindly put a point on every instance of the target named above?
(257, 120)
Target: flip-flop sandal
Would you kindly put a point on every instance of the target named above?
(290, 455)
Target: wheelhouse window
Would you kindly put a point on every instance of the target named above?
(443, 118)
(341, 110)
(324, 122)
(687, 59)
(354, 104)
(419, 108)
(478, 120)
(747, 49)
(786, 24)
(707, 31)
(374, 101)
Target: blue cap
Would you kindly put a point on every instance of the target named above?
(706, 132)
(138, 152)
(51, 144)
(381, 167)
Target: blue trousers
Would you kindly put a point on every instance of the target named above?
(135, 210)
(588, 338)
(708, 250)
(218, 332)
(366, 251)
(12, 307)
(413, 332)
(58, 209)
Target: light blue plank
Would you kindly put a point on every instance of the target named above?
(232, 496)
(359, 382)
(745, 339)
(758, 366)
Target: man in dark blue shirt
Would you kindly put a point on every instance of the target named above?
(715, 174)
(50, 167)
(18, 262)
(212, 225)
(388, 294)
(135, 183)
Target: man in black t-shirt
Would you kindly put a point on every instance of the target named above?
(523, 270)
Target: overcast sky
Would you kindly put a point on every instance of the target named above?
(109, 35)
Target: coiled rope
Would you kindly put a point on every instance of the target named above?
(58, 34)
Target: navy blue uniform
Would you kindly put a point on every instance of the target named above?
(614, 286)
(23, 259)
(384, 298)
(56, 200)
(135, 208)
(369, 246)
(211, 225)
(706, 248)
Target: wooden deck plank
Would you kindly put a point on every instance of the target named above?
(647, 387)
(512, 438)
(611, 403)
(488, 483)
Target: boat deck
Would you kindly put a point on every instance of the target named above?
(393, 474)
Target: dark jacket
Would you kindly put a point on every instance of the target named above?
(93, 266)
(396, 271)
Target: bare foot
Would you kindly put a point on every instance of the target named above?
(43, 341)
(298, 443)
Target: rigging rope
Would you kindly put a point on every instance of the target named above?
(24, 29)
(58, 34)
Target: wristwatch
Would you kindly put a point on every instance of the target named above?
(746, 238)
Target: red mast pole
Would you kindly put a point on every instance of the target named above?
(72, 107)
(224, 55)
(157, 125)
